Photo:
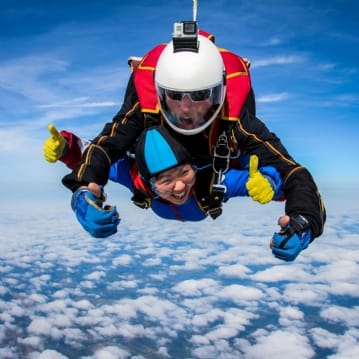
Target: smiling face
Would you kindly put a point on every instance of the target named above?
(175, 185)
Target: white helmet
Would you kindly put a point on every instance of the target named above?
(200, 75)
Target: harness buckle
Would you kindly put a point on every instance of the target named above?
(216, 199)
(215, 212)
(219, 189)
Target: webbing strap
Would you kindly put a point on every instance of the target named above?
(140, 199)
(221, 158)
(215, 200)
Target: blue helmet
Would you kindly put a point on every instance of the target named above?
(158, 151)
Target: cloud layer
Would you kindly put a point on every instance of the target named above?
(176, 290)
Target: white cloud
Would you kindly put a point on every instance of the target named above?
(152, 262)
(273, 41)
(33, 341)
(344, 288)
(343, 315)
(280, 344)
(240, 294)
(235, 270)
(111, 352)
(349, 345)
(345, 346)
(274, 97)
(277, 60)
(305, 293)
(290, 315)
(23, 76)
(324, 338)
(115, 285)
(195, 288)
(283, 272)
(81, 102)
(48, 354)
(95, 275)
(122, 260)
(3, 290)
(40, 326)
(341, 270)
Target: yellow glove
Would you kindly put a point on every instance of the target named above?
(258, 186)
(54, 146)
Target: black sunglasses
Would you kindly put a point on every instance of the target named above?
(195, 96)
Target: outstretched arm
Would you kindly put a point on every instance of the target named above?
(111, 144)
(300, 190)
(64, 146)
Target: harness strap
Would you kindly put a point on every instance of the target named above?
(221, 158)
(141, 199)
(215, 200)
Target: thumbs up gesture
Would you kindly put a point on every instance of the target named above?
(54, 146)
(258, 186)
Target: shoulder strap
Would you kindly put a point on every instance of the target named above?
(238, 83)
(144, 80)
(239, 89)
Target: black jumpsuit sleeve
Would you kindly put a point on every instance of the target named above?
(300, 189)
(111, 144)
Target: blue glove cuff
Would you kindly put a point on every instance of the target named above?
(76, 195)
(291, 240)
(274, 178)
(99, 222)
(271, 182)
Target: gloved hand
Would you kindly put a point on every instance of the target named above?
(258, 186)
(97, 220)
(294, 236)
(54, 146)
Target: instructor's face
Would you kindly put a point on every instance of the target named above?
(189, 114)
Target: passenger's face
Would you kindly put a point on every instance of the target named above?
(189, 114)
(175, 185)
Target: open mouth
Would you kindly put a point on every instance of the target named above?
(179, 195)
(186, 122)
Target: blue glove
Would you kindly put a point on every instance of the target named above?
(98, 221)
(292, 239)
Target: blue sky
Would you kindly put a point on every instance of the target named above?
(158, 288)
(66, 62)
